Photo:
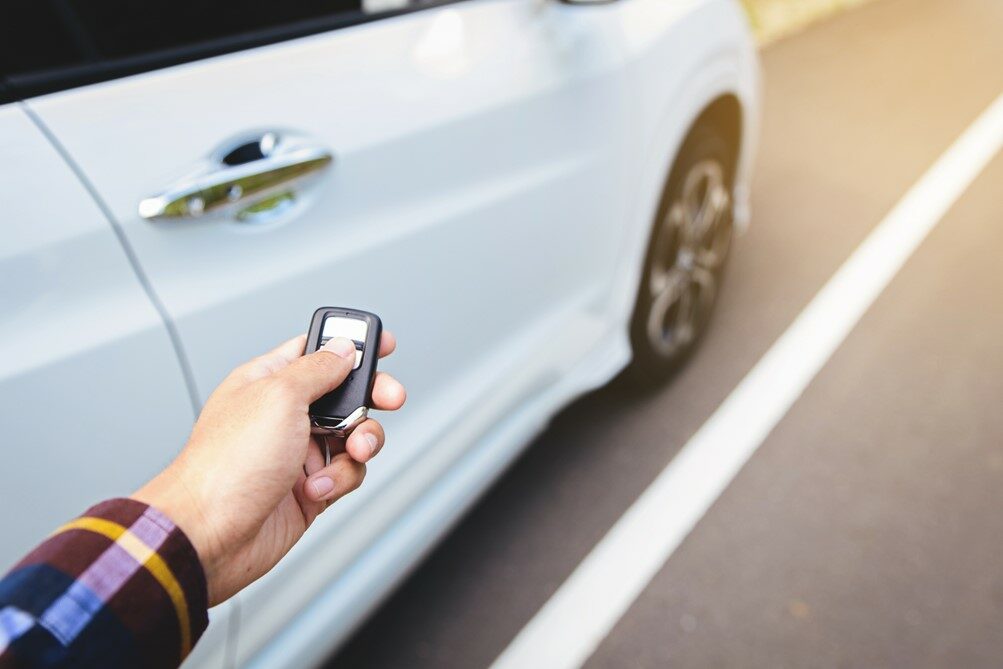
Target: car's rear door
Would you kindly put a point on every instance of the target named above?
(93, 401)
(93, 397)
(473, 196)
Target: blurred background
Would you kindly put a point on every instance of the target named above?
(773, 19)
(698, 305)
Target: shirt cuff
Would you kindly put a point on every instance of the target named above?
(131, 561)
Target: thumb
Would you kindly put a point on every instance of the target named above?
(319, 373)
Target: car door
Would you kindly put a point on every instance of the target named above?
(466, 182)
(93, 401)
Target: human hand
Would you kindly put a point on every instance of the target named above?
(252, 478)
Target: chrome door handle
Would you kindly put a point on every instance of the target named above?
(248, 178)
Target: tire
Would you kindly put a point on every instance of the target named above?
(685, 260)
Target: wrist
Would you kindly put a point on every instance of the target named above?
(169, 494)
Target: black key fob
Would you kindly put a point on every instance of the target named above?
(346, 406)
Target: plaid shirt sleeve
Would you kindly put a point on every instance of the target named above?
(120, 586)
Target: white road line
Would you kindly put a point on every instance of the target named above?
(571, 625)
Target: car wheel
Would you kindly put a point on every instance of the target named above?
(685, 258)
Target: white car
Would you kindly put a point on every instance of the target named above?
(532, 194)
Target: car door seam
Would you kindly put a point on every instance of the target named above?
(130, 254)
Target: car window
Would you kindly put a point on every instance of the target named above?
(49, 45)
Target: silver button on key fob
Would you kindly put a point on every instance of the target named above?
(338, 412)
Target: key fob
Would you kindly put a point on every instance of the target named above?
(346, 406)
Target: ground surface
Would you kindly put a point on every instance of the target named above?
(866, 531)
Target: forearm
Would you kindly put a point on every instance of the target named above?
(121, 586)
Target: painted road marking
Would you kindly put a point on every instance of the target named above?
(572, 624)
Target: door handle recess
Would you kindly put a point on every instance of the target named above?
(249, 178)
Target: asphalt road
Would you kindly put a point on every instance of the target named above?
(867, 529)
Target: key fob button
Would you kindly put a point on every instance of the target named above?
(349, 328)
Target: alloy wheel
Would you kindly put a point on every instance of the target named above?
(689, 250)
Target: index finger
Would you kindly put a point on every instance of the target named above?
(388, 343)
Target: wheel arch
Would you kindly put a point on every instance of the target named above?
(721, 118)
(720, 99)
(724, 113)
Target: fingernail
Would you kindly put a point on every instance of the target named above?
(321, 486)
(341, 347)
(371, 439)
